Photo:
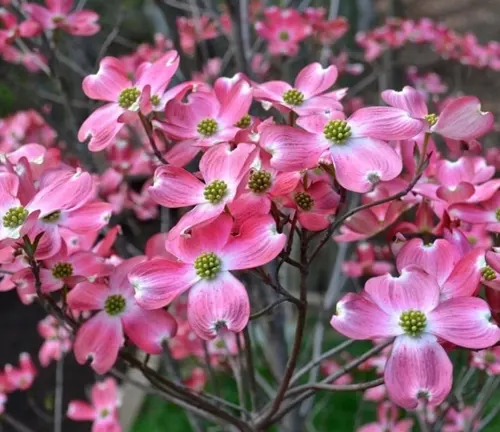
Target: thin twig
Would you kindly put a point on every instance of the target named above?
(268, 308)
(333, 387)
(58, 402)
(299, 333)
(319, 359)
(148, 128)
(482, 400)
(342, 371)
(250, 368)
(15, 424)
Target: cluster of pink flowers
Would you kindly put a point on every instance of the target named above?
(14, 378)
(397, 32)
(243, 186)
(57, 342)
(284, 29)
(55, 16)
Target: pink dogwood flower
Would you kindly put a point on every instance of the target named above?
(126, 98)
(57, 340)
(366, 263)
(457, 421)
(103, 409)
(265, 184)
(308, 95)
(284, 29)
(222, 169)
(456, 275)
(100, 338)
(25, 210)
(356, 146)
(466, 180)
(460, 119)
(217, 300)
(369, 222)
(63, 269)
(315, 205)
(206, 118)
(408, 307)
(486, 212)
(487, 360)
(58, 16)
(22, 377)
(13, 29)
(387, 420)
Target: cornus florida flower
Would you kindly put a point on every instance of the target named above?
(366, 262)
(57, 340)
(59, 191)
(126, 98)
(57, 16)
(355, 145)
(314, 204)
(486, 212)
(387, 420)
(65, 204)
(307, 96)
(217, 300)
(408, 307)
(460, 119)
(222, 169)
(206, 118)
(13, 29)
(456, 275)
(264, 184)
(468, 179)
(457, 421)
(283, 29)
(21, 377)
(101, 337)
(487, 360)
(64, 269)
(103, 409)
(369, 222)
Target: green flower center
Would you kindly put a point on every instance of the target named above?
(497, 214)
(15, 217)
(431, 119)
(413, 322)
(155, 100)
(104, 413)
(259, 181)
(284, 36)
(215, 191)
(488, 273)
(304, 201)
(128, 97)
(115, 304)
(293, 97)
(207, 265)
(337, 131)
(207, 127)
(62, 270)
(244, 122)
(52, 217)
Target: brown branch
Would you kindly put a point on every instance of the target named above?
(299, 333)
(342, 371)
(335, 387)
(148, 128)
